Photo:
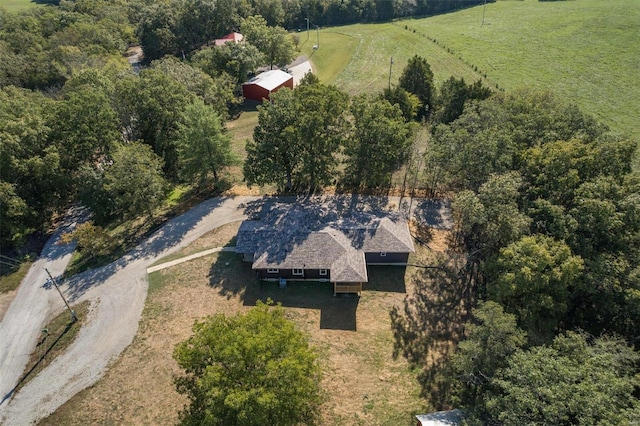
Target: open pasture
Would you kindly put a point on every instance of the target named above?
(584, 51)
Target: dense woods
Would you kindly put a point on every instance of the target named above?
(547, 213)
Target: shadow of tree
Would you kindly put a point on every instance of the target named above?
(431, 322)
(164, 238)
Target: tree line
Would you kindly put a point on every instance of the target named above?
(545, 206)
(77, 123)
(181, 26)
(315, 136)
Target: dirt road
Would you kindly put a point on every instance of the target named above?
(117, 293)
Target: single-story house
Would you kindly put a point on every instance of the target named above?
(264, 84)
(307, 242)
(229, 38)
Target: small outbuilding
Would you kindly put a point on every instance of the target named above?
(263, 85)
(229, 38)
(441, 418)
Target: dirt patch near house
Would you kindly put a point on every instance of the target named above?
(363, 383)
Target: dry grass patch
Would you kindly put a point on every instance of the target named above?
(362, 381)
(56, 337)
(219, 237)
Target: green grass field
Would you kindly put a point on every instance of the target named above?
(585, 51)
(17, 5)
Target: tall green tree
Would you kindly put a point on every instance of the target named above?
(203, 146)
(407, 102)
(130, 186)
(321, 128)
(273, 156)
(249, 369)
(298, 137)
(531, 278)
(217, 91)
(235, 59)
(491, 218)
(14, 215)
(85, 124)
(417, 78)
(34, 182)
(275, 43)
(157, 30)
(492, 337)
(570, 382)
(150, 107)
(379, 144)
(453, 94)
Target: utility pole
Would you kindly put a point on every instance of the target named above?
(307, 19)
(390, 66)
(318, 35)
(55, 284)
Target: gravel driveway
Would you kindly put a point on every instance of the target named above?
(117, 294)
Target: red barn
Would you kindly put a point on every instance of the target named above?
(261, 86)
(229, 38)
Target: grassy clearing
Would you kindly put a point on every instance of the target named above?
(334, 54)
(362, 381)
(366, 63)
(17, 5)
(11, 281)
(582, 50)
(219, 237)
(56, 337)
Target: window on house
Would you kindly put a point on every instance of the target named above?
(383, 254)
(298, 272)
(273, 270)
(323, 272)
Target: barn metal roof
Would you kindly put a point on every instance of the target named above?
(270, 80)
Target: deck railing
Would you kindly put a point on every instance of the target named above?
(347, 288)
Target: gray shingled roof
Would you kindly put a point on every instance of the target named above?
(378, 234)
(325, 249)
(315, 236)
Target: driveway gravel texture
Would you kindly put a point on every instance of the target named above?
(117, 294)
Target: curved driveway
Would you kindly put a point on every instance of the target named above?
(117, 293)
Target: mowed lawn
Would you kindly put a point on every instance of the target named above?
(357, 58)
(18, 5)
(585, 51)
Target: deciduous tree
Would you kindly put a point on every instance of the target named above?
(531, 278)
(379, 143)
(570, 382)
(273, 156)
(417, 78)
(203, 146)
(298, 137)
(248, 369)
(274, 42)
(133, 182)
(492, 337)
